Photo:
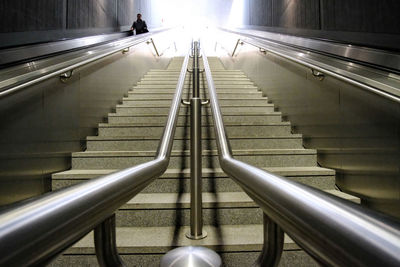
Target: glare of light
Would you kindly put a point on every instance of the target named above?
(196, 19)
(236, 15)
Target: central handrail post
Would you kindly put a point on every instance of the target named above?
(196, 213)
(195, 75)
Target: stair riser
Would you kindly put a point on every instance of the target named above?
(188, 91)
(165, 110)
(106, 162)
(176, 78)
(140, 103)
(182, 185)
(175, 217)
(181, 119)
(247, 130)
(169, 95)
(218, 86)
(216, 82)
(207, 144)
(289, 258)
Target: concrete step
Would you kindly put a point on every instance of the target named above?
(168, 94)
(233, 129)
(130, 101)
(173, 209)
(176, 76)
(189, 78)
(217, 86)
(180, 159)
(238, 245)
(183, 118)
(151, 71)
(170, 209)
(156, 110)
(188, 91)
(216, 82)
(214, 180)
(120, 143)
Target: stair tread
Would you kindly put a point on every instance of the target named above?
(127, 138)
(162, 99)
(123, 124)
(274, 113)
(210, 200)
(271, 151)
(162, 239)
(225, 113)
(221, 105)
(284, 171)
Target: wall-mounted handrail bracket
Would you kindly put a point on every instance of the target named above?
(239, 42)
(64, 77)
(262, 50)
(184, 102)
(125, 50)
(190, 71)
(151, 41)
(205, 102)
(317, 74)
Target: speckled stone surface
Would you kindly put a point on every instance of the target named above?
(260, 118)
(170, 185)
(130, 143)
(145, 94)
(157, 219)
(271, 129)
(123, 159)
(164, 110)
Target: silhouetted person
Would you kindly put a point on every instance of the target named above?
(139, 25)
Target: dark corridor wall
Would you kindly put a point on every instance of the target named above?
(28, 21)
(369, 22)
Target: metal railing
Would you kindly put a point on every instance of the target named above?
(35, 231)
(65, 69)
(195, 103)
(318, 70)
(333, 231)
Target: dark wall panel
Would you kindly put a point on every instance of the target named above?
(126, 12)
(261, 12)
(361, 15)
(91, 13)
(295, 13)
(28, 15)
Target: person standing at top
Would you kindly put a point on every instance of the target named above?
(139, 25)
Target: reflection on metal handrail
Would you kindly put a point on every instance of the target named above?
(333, 231)
(120, 46)
(34, 231)
(317, 68)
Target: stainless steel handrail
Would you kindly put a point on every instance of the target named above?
(333, 231)
(315, 67)
(60, 69)
(36, 230)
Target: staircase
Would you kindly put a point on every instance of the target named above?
(157, 219)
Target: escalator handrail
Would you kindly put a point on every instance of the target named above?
(332, 230)
(37, 76)
(316, 68)
(36, 230)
